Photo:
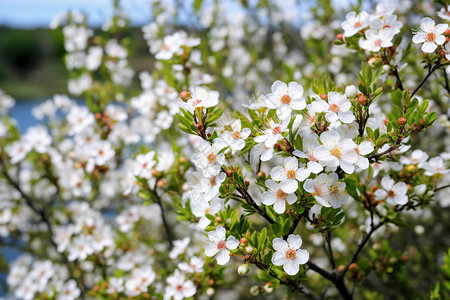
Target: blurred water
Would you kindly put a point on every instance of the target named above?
(22, 113)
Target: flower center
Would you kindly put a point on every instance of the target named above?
(357, 24)
(391, 193)
(236, 135)
(333, 108)
(179, 287)
(378, 42)
(285, 99)
(281, 195)
(311, 157)
(431, 37)
(317, 191)
(336, 152)
(291, 174)
(221, 245)
(211, 157)
(197, 102)
(212, 181)
(291, 254)
(276, 130)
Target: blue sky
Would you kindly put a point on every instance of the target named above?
(39, 13)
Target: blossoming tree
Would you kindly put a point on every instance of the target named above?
(166, 190)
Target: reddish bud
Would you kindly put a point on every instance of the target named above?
(182, 159)
(447, 39)
(211, 282)
(95, 288)
(261, 174)
(98, 116)
(353, 266)
(447, 32)
(323, 97)
(243, 242)
(441, 53)
(229, 173)
(374, 188)
(339, 36)
(340, 268)
(401, 121)
(218, 220)
(405, 258)
(247, 183)
(185, 95)
(278, 146)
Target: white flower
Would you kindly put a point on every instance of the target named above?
(288, 174)
(140, 279)
(179, 246)
(336, 152)
(273, 133)
(310, 145)
(195, 265)
(326, 189)
(207, 159)
(418, 157)
(394, 193)
(18, 150)
(219, 247)
(79, 118)
(435, 166)
(376, 39)
(355, 23)
(70, 291)
(286, 98)
(210, 185)
(337, 108)
(288, 254)
(444, 13)
(178, 288)
(277, 196)
(200, 97)
(363, 149)
(170, 45)
(430, 34)
(115, 285)
(234, 136)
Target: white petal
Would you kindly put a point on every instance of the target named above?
(291, 267)
(289, 186)
(294, 241)
(272, 185)
(302, 256)
(419, 38)
(232, 243)
(279, 245)
(309, 185)
(400, 188)
(290, 163)
(223, 257)
(291, 198)
(429, 47)
(302, 174)
(387, 183)
(211, 249)
(279, 206)
(268, 198)
(278, 85)
(278, 174)
(278, 258)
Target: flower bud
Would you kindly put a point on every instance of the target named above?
(254, 290)
(339, 36)
(249, 249)
(243, 269)
(350, 91)
(323, 96)
(261, 174)
(420, 189)
(243, 242)
(185, 96)
(441, 53)
(268, 288)
(210, 292)
(375, 62)
(353, 266)
(401, 121)
(386, 68)
(218, 220)
(447, 32)
(229, 173)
